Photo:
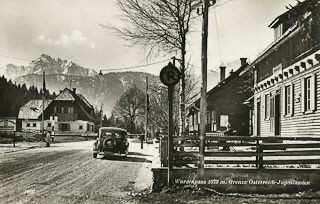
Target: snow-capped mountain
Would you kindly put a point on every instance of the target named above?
(97, 89)
(49, 65)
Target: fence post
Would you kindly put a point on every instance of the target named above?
(259, 158)
(257, 151)
(14, 139)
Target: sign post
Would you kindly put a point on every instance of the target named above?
(170, 76)
(9, 125)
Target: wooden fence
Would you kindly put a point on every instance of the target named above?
(244, 151)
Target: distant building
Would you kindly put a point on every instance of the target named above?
(286, 79)
(226, 104)
(68, 112)
(30, 115)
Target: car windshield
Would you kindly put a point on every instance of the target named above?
(112, 134)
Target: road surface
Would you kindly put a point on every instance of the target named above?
(67, 173)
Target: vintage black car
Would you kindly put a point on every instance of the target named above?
(111, 141)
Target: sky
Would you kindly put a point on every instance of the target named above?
(71, 30)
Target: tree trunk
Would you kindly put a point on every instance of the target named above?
(182, 89)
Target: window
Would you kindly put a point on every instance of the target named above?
(28, 125)
(272, 113)
(278, 31)
(191, 120)
(288, 100)
(49, 124)
(208, 117)
(34, 124)
(70, 110)
(54, 109)
(213, 121)
(267, 106)
(308, 94)
(64, 126)
(255, 76)
(195, 118)
(80, 127)
(62, 109)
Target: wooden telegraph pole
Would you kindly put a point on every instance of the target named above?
(203, 101)
(147, 108)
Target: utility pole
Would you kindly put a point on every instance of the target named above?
(147, 108)
(101, 111)
(43, 92)
(203, 101)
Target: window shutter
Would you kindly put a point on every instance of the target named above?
(292, 98)
(284, 100)
(302, 98)
(313, 93)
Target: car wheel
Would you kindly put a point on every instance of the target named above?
(94, 155)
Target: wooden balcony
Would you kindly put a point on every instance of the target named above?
(66, 116)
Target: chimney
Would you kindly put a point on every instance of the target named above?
(74, 90)
(243, 61)
(222, 72)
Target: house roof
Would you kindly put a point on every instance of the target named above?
(84, 100)
(285, 36)
(68, 95)
(220, 85)
(292, 12)
(33, 109)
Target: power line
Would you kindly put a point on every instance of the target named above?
(135, 67)
(215, 13)
(15, 57)
(114, 69)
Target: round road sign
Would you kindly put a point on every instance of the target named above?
(170, 75)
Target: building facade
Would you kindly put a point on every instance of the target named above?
(286, 80)
(67, 113)
(226, 107)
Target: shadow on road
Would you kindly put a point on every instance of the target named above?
(138, 154)
(127, 159)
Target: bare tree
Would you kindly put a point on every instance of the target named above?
(159, 108)
(130, 107)
(159, 26)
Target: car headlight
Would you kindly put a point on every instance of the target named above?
(118, 136)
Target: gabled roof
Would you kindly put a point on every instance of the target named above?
(220, 85)
(292, 12)
(292, 30)
(68, 95)
(33, 109)
(84, 100)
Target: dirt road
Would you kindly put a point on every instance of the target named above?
(67, 173)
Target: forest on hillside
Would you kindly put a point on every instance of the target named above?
(13, 96)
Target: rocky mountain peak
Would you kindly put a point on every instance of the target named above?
(49, 65)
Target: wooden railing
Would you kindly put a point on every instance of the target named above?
(244, 151)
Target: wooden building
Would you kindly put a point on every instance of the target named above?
(286, 77)
(226, 105)
(68, 112)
